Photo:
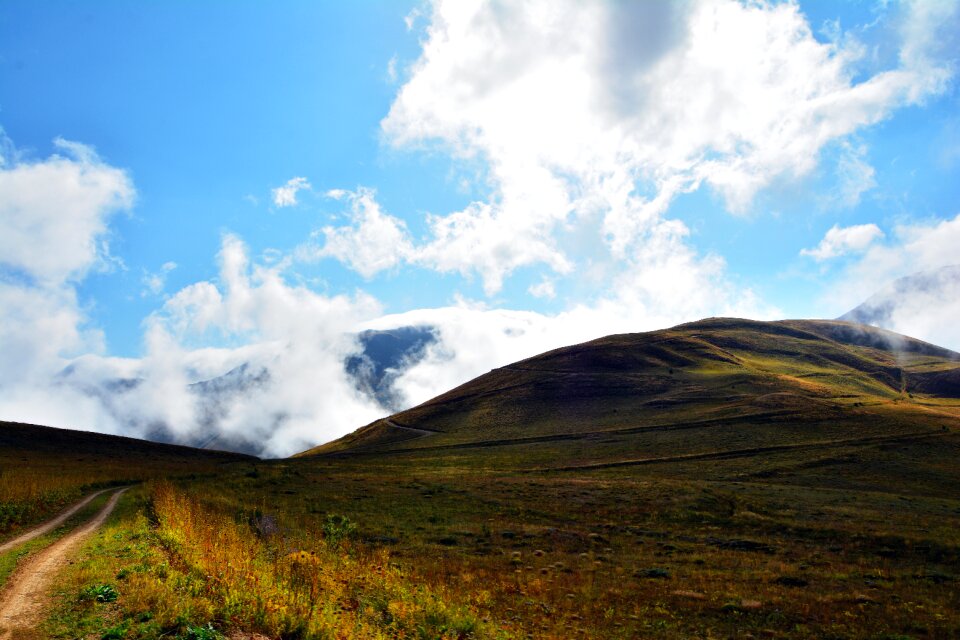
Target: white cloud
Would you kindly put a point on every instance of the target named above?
(54, 213)
(374, 241)
(581, 119)
(481, 239)
(54, 216)
(154, 282)
(297, 337)
(543, 289)
(918, 246)
(286, 195)
(840, 241)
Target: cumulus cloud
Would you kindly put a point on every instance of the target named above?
(839, 241)
(300, 338)
(581, 119)
(372, 242)
(54, 214)
(247, 361)
(286, 195)
(282, 346)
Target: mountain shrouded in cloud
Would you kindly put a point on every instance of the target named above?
(600, 160)
(924, 304)
(909, 284)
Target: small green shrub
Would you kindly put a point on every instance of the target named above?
(337, 528)
(206, 632)
(118, 632)
(100, 593)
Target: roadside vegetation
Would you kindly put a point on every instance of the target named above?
(175, 566)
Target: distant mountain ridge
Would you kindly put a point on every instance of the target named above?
(383, 357)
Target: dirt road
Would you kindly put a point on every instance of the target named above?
(23, 600)
(50, 525)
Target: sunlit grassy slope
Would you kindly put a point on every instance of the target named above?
(704, 388)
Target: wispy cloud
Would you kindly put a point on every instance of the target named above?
(286, 195)
(154, 281)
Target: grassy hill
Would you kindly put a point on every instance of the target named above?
(719, 385)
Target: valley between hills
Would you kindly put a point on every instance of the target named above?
(720, 479)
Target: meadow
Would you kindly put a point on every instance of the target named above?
(341, 549)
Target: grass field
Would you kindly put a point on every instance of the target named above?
(442, 552)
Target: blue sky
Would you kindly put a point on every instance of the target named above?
(204, 106)
(602, 167)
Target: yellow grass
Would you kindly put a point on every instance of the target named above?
(307, 588)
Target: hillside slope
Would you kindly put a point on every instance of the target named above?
(712, 386)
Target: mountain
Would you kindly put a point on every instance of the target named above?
(383, 357)
(924, 303)
(213, 399)
(718, 387)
